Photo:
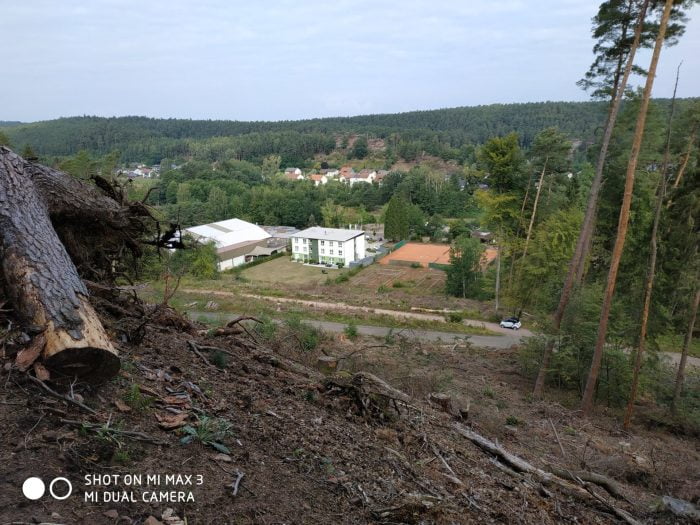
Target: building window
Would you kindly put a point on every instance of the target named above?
(331, 252)
(340, 252)
(323, 242)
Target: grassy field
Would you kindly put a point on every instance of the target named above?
(282, 270)
(674, 343)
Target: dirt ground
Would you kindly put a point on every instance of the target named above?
(306, 449)
(421, 253)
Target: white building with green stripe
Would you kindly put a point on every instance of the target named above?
(328, 245)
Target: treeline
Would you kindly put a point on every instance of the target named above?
(141, 138)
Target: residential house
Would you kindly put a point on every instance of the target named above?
(328, 245)
(364, 175)
(317, 179)
(346, 173)
(330, 173)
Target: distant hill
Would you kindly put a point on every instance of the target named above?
(136, 137)
(10, 123)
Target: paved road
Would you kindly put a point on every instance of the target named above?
(506, 340)
(489, 341)
(398, 314)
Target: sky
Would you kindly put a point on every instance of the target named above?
(284, 60)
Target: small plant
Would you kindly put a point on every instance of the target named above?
(382, 289)
(390, 338)
(267, 328)
(342, 278)
(512, 421)
(500, 404)
(416, 265)
(351, 331)
(136, 400)
(398, 284)
(122, 456)
(210, 431)
(488, 392)
(219, 359)
(454, 317)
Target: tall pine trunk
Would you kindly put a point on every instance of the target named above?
(586, 234)
(680, 375)
(534, 209)
(649, 283)
(623, 222)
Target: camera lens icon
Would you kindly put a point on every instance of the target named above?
(34, 488)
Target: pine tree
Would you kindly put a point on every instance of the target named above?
(589, 392)
(463, 274)
(396, 221)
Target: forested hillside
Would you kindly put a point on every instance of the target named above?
(141, 138)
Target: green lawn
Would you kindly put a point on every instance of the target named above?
(282, 270)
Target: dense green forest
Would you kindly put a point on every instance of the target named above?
(447, 133)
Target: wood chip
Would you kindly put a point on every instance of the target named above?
(41, 372)
(121, 406)
(26, 357)
(171, 422)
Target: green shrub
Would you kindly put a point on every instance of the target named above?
(454, 317)
(351, 330)
(398, 284)
(382, 289)
(512, 421)
(416, 265)
(308, 336)
(219, 359)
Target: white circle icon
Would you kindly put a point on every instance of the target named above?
(33, 488)
(68, 492)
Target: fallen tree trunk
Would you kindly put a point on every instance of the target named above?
(40, 277)
(545, 478)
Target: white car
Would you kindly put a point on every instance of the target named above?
(512, 323)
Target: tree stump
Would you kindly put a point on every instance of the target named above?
(441, 400)
(40, 277)
(327, 364)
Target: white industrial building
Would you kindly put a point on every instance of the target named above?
(328, 245)
(237, 242)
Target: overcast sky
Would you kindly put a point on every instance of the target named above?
(279, 59)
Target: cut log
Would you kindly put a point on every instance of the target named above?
(41, 279)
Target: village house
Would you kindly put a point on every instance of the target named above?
(330, 173)
(328, 246)
(293, 174)
(317, 179)
(238, 242)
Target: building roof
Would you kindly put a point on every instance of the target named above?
(329, 234)
(229, 232)
(283, 232)
(317, 177)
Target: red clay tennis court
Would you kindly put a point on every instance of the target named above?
(420, 253)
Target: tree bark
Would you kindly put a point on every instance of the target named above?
(680, 375)
(583, 243)
(41, 279)
(534, 210)
(649, 284)
(623, 222)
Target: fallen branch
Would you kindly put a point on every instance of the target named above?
(195, 348)
(55, 394)
(239, 477)
(608, 484)
(556, 435)
(138, 436)
(581, 491)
